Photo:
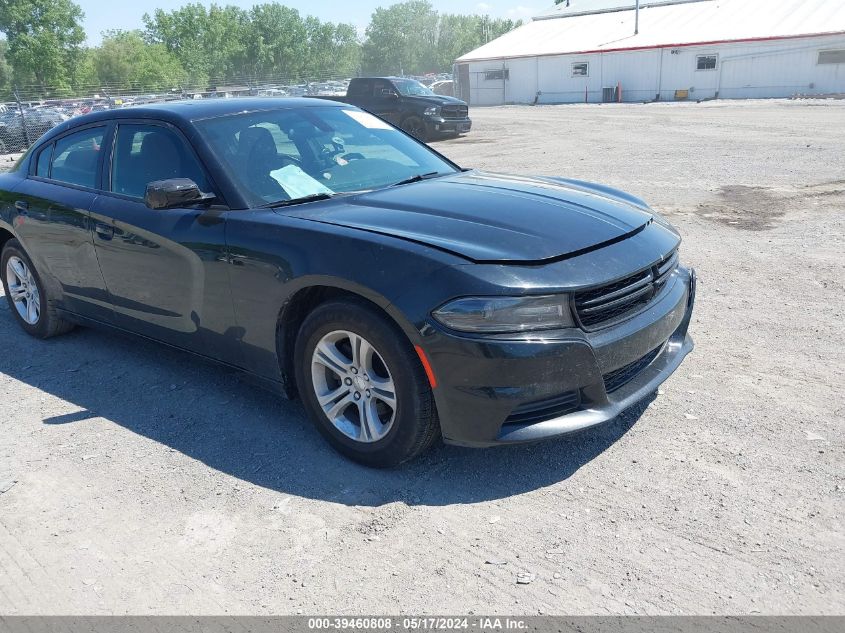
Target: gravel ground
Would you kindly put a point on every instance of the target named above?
(134, 479)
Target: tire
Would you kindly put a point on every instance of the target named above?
(415, 126)
(394, 433)
(35, 311)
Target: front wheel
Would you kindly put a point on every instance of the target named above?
(415, 126)
(363, 386)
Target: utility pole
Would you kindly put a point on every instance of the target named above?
(637, 18)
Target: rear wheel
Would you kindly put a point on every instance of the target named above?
(28, 300)
(363, 386)
(415, 126)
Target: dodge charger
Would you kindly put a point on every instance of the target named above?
(333, 257)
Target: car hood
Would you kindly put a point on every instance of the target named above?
(440, 100)
(487, 217)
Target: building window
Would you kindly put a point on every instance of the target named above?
(581, 69)
(832, 57)
(501, 74)
(706, 62)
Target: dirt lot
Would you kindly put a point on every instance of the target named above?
(136, 480)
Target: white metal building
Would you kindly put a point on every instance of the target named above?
(582, 50)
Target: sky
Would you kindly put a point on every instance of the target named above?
(103, 15)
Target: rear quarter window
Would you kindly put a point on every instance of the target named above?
(76, 157)
(42, 163)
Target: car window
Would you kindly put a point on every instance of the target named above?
(42, 165)
(145, 153)
(283, 154)
(359, 88)
(382, 88)
(411, 88)
(76, 157)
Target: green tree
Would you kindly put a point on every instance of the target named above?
(277, 43)
(412, 38)
(84, 80)
(5, 70)
(226, 30)
(333, 49)
(44, 41)
(222, 44)
(459, 34)
(126, 61)
(209, 43)
(402, 39)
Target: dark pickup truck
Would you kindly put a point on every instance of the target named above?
(409, 105)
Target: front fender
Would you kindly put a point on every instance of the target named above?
(274, 258)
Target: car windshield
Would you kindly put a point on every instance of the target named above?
(291, 153)
(411, 88)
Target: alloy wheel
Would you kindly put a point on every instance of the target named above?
(23, 290)
(354, 386)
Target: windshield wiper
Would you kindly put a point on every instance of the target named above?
(309, 198)
(416, 178)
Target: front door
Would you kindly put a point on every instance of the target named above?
(385, 101)
(165, 270)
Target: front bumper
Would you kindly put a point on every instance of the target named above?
(567, 380)
(438, 126)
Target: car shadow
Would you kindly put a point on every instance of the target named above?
(213, 415)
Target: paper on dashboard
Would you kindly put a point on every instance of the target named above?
(296, 183)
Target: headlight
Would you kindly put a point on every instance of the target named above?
(432, 111)
(506, 314)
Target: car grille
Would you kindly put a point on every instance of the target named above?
(545, 409)
(611, 303)
(622, 376)
(454, 112)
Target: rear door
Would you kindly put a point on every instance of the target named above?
(165, 270)
(52, 207)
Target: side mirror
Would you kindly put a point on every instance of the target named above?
(173, 193)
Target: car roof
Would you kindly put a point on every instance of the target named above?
(387, 77)
(185, 111)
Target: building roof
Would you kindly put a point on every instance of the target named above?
(582, 7)
(609, 26)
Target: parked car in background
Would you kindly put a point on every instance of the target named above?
(51, 115)
(329, 88)
(409, 105)
(12, 134)
(317, 248)
(18, 130)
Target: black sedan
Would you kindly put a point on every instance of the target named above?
(330, 255)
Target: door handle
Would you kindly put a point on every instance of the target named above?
(105, 231)
(22, 206)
